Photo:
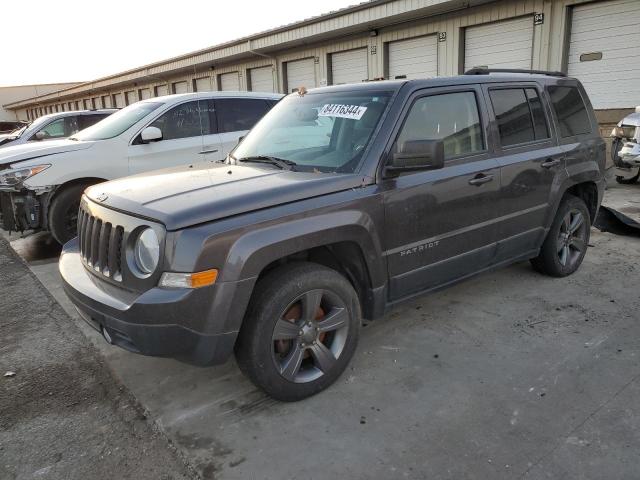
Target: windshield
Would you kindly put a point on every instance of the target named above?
(18, 131)
(326, 132)
(115, 124)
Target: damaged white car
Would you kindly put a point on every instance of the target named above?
(625, 148)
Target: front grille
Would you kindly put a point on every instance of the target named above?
(100, 245)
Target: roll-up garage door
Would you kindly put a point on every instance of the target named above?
(349, 67)
(413, 58)
(603, 52)
(261, 79)
(162, 90)
(145, 93)
(504, 44)
(118, 99)
(301, 73)
(180, 87)
(203, 84)
(229, 81)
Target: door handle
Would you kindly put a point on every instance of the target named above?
(551, 162)
(481, 179)
(208, 151)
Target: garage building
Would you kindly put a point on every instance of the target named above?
(593, 40)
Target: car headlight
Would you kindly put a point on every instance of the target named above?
(15, 176)
(146, 251)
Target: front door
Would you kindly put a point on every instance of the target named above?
(183, 128)
(440, 224)
(531, 166)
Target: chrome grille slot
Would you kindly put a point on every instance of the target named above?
(100, 244)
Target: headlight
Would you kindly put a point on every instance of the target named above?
(15, 176)
(147, 251)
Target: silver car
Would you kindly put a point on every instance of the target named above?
(55, 126)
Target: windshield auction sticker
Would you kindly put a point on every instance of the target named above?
(353, 112)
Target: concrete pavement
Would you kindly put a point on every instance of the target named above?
(508, 375)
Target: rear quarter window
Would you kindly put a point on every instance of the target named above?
(570, 110)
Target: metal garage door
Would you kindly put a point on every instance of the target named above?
(301, 73)
(162, 90)
(261, 79)
(413, 58)
(505, 44)
(118, 99)
(145, 93)
(349, 67)
(180, 87)
(603, 52)
(229, 81)
(203, 84)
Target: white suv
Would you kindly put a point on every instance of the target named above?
(41, 184)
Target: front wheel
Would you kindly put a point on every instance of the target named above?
(300, 331)
(63, 212)
(566, 244)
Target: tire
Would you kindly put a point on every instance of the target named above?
(305, 353)
(567, 241)
(63, 212)
(628, 181)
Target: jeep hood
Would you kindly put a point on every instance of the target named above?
(20, 153)
(185, 196)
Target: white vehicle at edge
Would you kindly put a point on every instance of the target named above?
(41, 184)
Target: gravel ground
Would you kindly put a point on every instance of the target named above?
(63, 415)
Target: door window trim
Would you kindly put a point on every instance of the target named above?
(134, 137)
(430, 92)
(540, 143)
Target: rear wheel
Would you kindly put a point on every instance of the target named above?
(628, 180)
(300, 331)
(566, 244)
(63, 212)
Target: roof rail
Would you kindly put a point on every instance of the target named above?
(486, 71)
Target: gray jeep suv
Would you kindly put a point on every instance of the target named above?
(340, 203)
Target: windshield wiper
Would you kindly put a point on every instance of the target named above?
(278, 162)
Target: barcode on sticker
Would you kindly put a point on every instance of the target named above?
(353, 112)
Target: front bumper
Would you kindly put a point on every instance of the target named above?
(179, 323)
(22, 210)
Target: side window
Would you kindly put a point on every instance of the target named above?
(235, 114)
(55, 129)
(450, 117)
(71, 125)
(570, 110)
(183, 121)
(85, 121)
(519, 115)
(537, 113)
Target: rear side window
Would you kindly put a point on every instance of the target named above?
(451, 117)
(519, 115)
(570, 110)
(237, 114)
(85, 121)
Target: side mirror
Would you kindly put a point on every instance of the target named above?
(40, 135)
(414, 155)
(151, 134)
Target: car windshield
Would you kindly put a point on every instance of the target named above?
(326, 132)
(117, 123)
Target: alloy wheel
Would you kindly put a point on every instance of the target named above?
(310, 336)
(572, 238)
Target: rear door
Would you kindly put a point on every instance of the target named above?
(235, 117)
(440, 224)
(183, 127)
(531, 164)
